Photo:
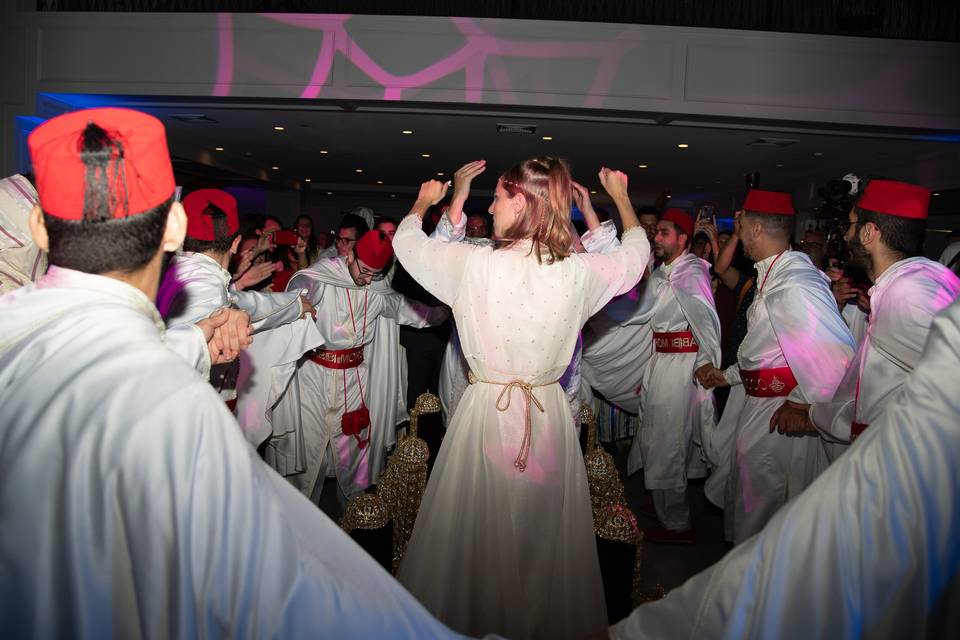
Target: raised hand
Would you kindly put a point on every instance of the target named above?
(246, 259)
(706, 226)
(464, 176)
(256, 274)
(432, 192)
(581, 198)
(614, 182)
(461, 188)
(264, 242)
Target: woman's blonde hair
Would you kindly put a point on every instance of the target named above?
(546, 185)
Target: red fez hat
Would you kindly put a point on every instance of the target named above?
(680, 218)
(374, 249)
(772, 202)
(211, 214)
(896, 199)
(136, 174)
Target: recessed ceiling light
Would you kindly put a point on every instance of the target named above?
(936, 193)
(393, 195)
(669, 196)
(439, 173)
(407, 132)
(379, 181)
(548, 137)
(818, 153)
(682, 145)
(278, 128)
(424, 155)
(593, 192)
(359, 170)
(306, 179)
(324, 151)
(275, 167)
(642, 166)
(218, 149)
(329, 193)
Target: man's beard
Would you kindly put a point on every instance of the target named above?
(859, 256)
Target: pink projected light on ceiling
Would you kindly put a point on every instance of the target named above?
(480, 57)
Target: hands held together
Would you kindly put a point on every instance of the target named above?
(709, 377)
(227, 332)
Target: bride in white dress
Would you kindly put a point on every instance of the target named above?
(504, 540)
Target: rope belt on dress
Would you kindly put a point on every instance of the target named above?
(503, 403)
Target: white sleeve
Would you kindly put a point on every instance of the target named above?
(603, 239)
(438, 266)
(412, 313)
(732, 375)
(186, 340)
(269, 310)
(618, 271)
(446, 231)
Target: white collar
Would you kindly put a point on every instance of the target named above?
(206, 261)
(61, 278)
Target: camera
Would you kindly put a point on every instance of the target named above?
(841, 194)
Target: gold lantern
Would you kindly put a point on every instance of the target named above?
(405, 479)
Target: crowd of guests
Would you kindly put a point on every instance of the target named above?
(177, 390)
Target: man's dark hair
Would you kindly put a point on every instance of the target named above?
(647, 210)
(903, 236)
(211, 246)
(776, 226)
(353, 221)
(100, 243)
(123, 244)
(380, 220)
(265, 219)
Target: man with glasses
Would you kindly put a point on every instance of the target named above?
(350, 228)
(339, 414)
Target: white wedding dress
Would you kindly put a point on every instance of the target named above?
(496, 549)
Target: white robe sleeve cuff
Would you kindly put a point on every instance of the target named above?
(187, 341)
(602, 239)
(732, 375)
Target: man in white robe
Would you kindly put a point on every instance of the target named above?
(869, 550)
(617, 345)
(197, 283)
(887, 229)
(339, 413)
(130, 504)
(675, 408)
(797, 348)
